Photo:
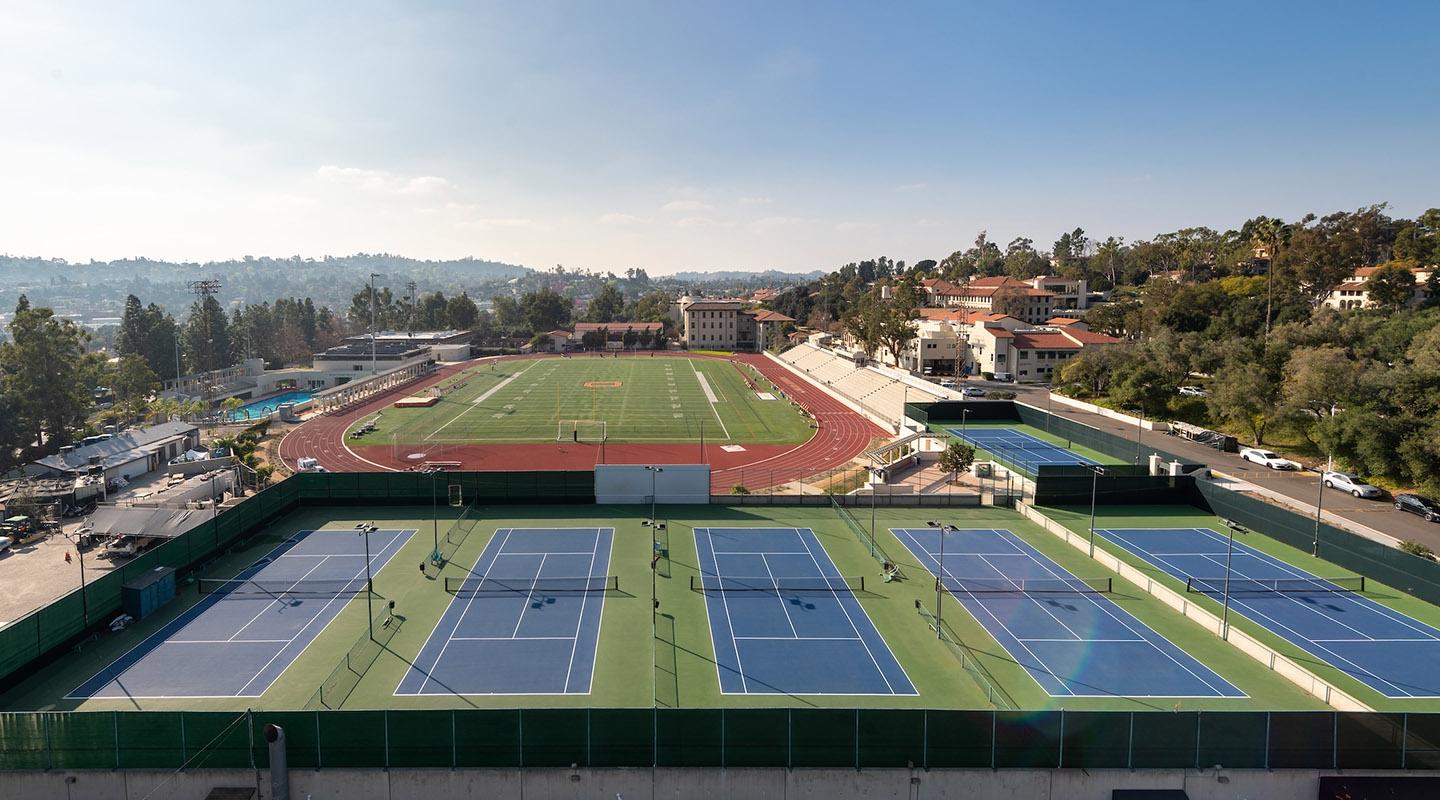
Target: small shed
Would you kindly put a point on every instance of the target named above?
(148, 593)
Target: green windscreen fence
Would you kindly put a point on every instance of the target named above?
(1389, 565)
(759, 737)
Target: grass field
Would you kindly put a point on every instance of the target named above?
(1077, 519)
(639, 398)
(677, 666)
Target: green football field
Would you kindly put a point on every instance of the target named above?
(625, 399)
(668, 660)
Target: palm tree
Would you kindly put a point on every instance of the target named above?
(229, 405)
(1271, 234)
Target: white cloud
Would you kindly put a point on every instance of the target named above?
(426, 184)
(381, 181)
(696, 222)
(617, 218)
(772, 223)
(685, 205)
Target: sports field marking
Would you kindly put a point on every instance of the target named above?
(817, 642)
(1372, 643)
(709, 395)
(508, 642)
(477, 401)
(1073, 645)
(227, 663)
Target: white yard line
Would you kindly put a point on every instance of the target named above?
(710, 395)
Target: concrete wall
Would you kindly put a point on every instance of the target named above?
(632, 483)
(668, 784)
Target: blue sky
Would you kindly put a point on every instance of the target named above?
(681, 135)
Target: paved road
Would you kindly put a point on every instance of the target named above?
(1303, 487)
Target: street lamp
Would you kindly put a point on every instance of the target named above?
(1095, 472)
(964, 412)
(373, 368)
(1235, 528)
(941, 529)
(1139, 429)
(75, 539)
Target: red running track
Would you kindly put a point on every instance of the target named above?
(841, 435)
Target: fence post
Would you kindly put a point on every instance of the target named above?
(1404, 739)
(319, 746)
(1060, 741)
(454, 746)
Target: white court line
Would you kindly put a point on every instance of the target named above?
(227, 641)
(511, 639)
(265, 610)
(1107, 611)
(400, 537)
(806, 639)
(784, 604)
(458, 622)
(528, 597)
(920, 548)
(836, 595)
(580, 618)
(729, 623)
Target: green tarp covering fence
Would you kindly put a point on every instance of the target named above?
(801, 737)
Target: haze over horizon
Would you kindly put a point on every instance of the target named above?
(684, 137)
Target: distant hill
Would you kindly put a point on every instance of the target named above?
(742, 276)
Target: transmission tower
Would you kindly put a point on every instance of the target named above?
(202, 289)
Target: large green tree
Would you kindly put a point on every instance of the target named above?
(545, 310)
(206, 337)
(607, 306)
(1391, 286)
(40, 376)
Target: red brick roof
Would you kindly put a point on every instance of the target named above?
(766, 315)
(1036, 340)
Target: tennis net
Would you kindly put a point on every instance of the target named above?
(271, 588)
(485, 584)
(1023, 585)
(1284, 585)
(992, 444)
(766, 583)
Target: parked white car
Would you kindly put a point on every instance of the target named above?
(973, 391)
(1193, 391)
(1349, 482)
(1268, 458)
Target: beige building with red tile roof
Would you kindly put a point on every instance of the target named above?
(1353, 292)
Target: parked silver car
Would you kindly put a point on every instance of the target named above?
(1349, 482)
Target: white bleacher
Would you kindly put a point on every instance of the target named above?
(877, 393)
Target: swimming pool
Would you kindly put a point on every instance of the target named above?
(260, 409)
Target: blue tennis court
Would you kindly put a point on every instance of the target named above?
(1394, 654)
(1022, 446)
(236, 642)
(784, 621)
(1073, 643)
(525, 621)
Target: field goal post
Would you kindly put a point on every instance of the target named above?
(581, 430)
(457, 495)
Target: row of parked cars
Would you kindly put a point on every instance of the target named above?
(1347, 482)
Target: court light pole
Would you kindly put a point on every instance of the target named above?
(941, 529)
(1319, 501)
(435, 516)
(654, 470)
(369, 580)
(1095, 472)
(1234, 528)
(1139, 429)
